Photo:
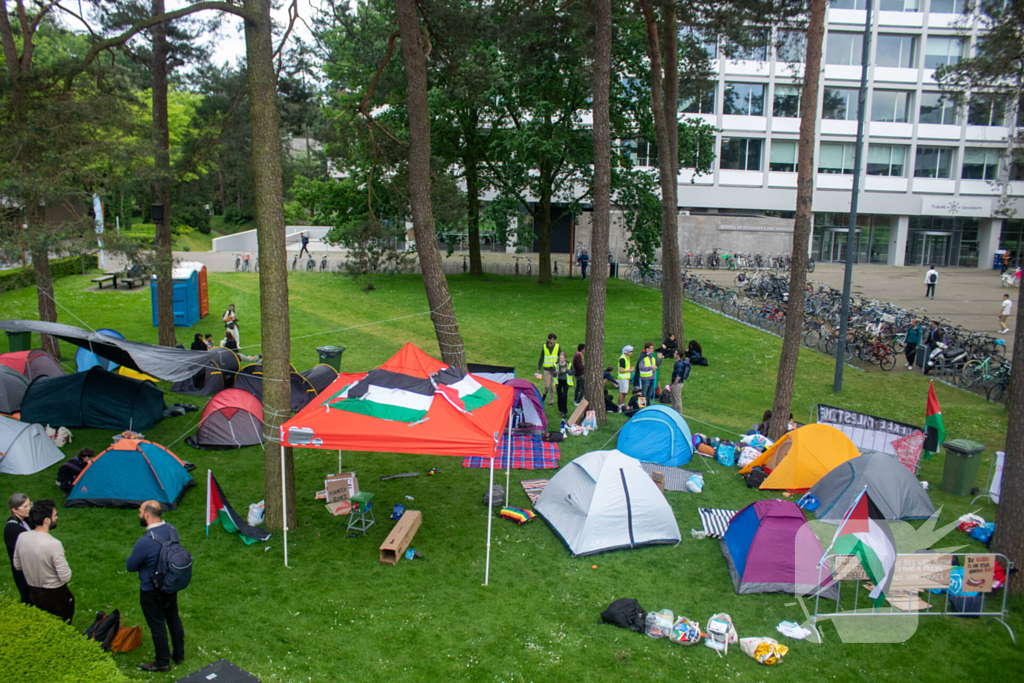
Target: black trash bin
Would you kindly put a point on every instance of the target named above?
(331, 355)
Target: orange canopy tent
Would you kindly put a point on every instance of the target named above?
(449, 427)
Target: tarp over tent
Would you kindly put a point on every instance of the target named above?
(605, 501)
(232, 419)
(320, 376)
(526, 401)
(32, 364)
(803, 456)
(13, 385)
(657, 434)
(25, 448)
(770, 548)
(217, 374)
(250, 379)
(129, 473)
(894, 490)
(85, 359)
(163, 362)
(95, 399)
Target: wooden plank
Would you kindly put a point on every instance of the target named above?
(401, 536)
(577, 414)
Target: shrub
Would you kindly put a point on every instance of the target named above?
(36, 646)
(16, 278)
(235, 216)
(192, 215)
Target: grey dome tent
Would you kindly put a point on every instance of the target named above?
(12, 389)
(216, 374)
(604, 501)
(25, 448)
(320, 376)
(250, 379)
(94, 399)
(894, 490)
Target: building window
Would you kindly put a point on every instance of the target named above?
(836, 157)
(980, 164)
(840, 104)
(641, 152)
(792, 47)
(933, 162)
(983, 111)
(938, 108)
(787, 101)
(942, 51)
(706, 40)
(703, 103)
(756, 51)
(886, 160)
(844, 48)
(741, 154)
(783, 156)
(890, 106)
(885, 5)
(896, 50)
(743, 99)
(948, 6)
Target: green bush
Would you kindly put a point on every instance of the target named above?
(16, 278)
(193, 216)
(235, 216)
(36, 646)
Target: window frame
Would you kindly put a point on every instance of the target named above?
(783, 46)
(950, 41)
(902, 36)
(775, 100)
(948, 152)
(907, 105)
(961, 3)
(701, 99)
(943, 104)
(849, 151)
(777, 144)
(744, 154)
(888, 164)
(995, 108)
(987, 163)
(701, 38)
(852, 94)
(731, 85)
(855, 48)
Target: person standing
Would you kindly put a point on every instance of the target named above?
(930, 278)
(546, 366)
(625, 370)
(229, 317)
(680, 373)
(647, 368)
(1005, 262)
(912, 340)
(578, 370)
(1004, 313)
(305, 245)
(584, 260)
(562, 378)
(41, 557)
(19, 505)
(160, 609)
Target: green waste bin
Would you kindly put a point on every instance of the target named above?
(963, 458)
(20, 341)
(331, 355)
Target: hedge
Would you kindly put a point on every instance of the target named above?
(16, 278)
(36, 646)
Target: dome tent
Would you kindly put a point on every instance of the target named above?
(320, 376)
(13, 385)
(85, 359)
(25, 448)
(250, 379)
(94, 399)
(33, 364)
(657, 434)
(129, 473)
(526, 400)
(232, 419)
(214, 376)
(893, 488)
(803, 456)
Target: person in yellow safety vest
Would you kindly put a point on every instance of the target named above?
(647, 368)
(546, 365)
(625, 370)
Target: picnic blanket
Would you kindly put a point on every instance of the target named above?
(533, 488)
(675, 477)
(715, 521)
(529, 452)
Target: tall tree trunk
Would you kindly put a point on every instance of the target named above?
(1009, 535)
(41, 268)
(601, 216)
(542, 225)
(671, 265)
(414, 59)
(672, 292)
(223, 188)
(270, 238)
(801, 225)
(476, 266)
(164, 258)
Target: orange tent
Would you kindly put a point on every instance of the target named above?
(803, 456)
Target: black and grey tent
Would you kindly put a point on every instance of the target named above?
(893, 488)
(320, 376)
(217, 374)
(232, 419)
(495, 373)
(12, 389)
(25, 448)
(94, 399)
(250, 379)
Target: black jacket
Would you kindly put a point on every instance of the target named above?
(68, 472)
(12, 530)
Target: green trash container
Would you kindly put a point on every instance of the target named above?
(331, 355)
(963, 458)
(20, 341)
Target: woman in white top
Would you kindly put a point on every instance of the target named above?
(1005, 313)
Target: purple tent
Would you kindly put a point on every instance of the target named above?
(770, 548)
(526, 401)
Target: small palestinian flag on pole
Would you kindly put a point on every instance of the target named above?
(865, 534)
(218, 509)
(935, 430)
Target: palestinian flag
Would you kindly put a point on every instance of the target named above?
(218, 509)
(934, 431)
(387, 395)
(865, 534)
(464, 392)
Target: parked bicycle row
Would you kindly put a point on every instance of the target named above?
(718, 259)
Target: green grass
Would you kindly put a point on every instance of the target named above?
(337, 613)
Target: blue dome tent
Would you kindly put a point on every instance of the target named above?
(657, 434)
(129, 473)
(85, 359)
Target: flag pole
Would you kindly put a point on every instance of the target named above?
(284, 507)
(209, 477)
(842, 524)
(490, 515)
(508, 456)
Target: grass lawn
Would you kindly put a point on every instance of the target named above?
(338, 614)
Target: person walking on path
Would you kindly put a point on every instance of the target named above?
(935, 337)
(562, 378)
(160, 609)
(19, 505)
(680, 373)
(305, 245)
(41, 557)
(647, 368)
(584, 261)
(1004, 313)
(911, 342)
(546, 366)
(930, 278)
(625, 371)
(578, 368)
(1005, 262)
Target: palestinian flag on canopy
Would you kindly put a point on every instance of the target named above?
(935, 430)
(865, 534)
(462, 390)
(218, 509)
(387, 395)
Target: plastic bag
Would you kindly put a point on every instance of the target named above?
(256, 511)
(685, 632)
(766, 651)
(659, 624)
(720, 633)
(695, 484)
(590, 421)
(758, 441)
(748, 455)
(726, 454)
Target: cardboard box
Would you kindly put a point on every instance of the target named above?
(577, 414)
(341, 486)
(398, 540)
(340, 508)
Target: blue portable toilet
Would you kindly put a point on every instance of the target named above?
(186, 297)
(657, 434)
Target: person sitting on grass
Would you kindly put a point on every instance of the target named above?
(70, 470)
(198, 344)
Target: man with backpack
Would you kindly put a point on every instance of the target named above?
(156, 558)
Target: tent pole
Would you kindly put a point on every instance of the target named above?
(284, 507)
(508, 456)
(490, 515)
(339, 462)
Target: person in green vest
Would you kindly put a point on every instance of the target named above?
(546, 366)
(646, 368)
(625, 370)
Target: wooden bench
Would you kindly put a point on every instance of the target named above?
(104, 278)
(132, 281)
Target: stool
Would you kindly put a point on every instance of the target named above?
(361, 517)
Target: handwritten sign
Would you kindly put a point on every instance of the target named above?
(979, 573)
(847, 568)
(922, 571)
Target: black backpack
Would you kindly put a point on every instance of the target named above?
(626, 613)
(755, 477)
(174, 566)
(104, 629)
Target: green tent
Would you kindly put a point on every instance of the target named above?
(94, 399)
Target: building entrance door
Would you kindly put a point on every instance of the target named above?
(834, 245)
(931, 249)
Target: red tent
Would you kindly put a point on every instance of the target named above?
(32, 364)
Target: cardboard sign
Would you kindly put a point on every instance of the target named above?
(340, 508)
(922, 571)
(341, 486)
(979, 572)
(847, 568)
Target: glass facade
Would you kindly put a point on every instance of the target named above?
(942, 241)
(743, 99)
(871, 245)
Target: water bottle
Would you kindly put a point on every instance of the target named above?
(563, 426)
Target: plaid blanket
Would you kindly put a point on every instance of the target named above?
(715, 521)
(528, 453)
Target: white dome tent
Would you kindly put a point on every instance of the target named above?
(25, 448)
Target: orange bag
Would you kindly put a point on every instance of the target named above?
(127, 639)
(706, 450)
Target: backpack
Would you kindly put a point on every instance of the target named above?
(626, 613)
(104, 629)
(699, 360)
(173, 566)
(755, 477)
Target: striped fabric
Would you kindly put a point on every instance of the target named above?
(387, 395)
(533, 488)
(715, 521)
(462, 390)
(675, 477)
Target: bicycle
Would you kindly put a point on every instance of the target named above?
(242, 263)
(295, 261)
(310, 264)
(323, 264)
(529, 267)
